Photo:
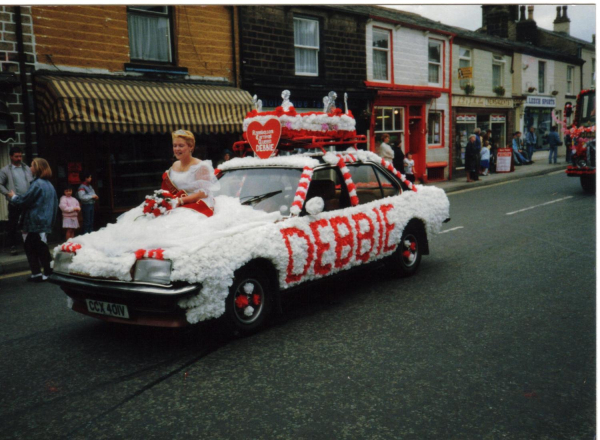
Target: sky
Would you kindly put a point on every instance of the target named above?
(583, 17)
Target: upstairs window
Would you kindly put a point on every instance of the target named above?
(381, 55)
(541, 76)
(497, 71)
(306, 45)
(464, 60)
(435, 61)
(149, 33)
(570, 71)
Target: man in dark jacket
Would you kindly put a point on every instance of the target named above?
(472, 159)
(553, 143)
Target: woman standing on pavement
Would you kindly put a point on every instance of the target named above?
(40, 205)
(472, 159)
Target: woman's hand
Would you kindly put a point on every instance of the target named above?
(10, 194)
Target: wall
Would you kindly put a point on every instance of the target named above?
(482, 61)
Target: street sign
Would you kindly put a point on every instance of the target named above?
(465, 72)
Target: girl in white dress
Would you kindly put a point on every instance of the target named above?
(190, 180)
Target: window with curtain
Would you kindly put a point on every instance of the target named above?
(497, 71)
(435, 61)
(541, 76)
(306, 45)
(149, 33)
(434, 128)
(464, 60)
(381, 54)
(570, 70)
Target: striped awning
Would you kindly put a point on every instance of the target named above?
(78, 104)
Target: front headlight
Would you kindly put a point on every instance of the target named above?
(62, 261)
(153, 271)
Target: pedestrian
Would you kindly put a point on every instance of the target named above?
(484, 161)
(530, 142)
(409, 165)
(553, 144)
(15, 177)
(40, 206)
(398, 161)
(385, 151)
(69, 207)
(225, 158)
(87, 196)
(568, 145)
(518, 152)
(471, 159)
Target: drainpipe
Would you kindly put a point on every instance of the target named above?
(233, 50)
(23, 80)
(450, 122)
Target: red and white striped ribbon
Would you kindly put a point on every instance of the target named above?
(398, 174)
(348, 179)
(300, 195)
(70, 247)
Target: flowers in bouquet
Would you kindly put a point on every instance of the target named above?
(158, 204)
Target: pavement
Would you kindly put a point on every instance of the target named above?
(10, 264)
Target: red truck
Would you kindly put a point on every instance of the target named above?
(583, 141)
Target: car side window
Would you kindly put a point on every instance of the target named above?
(387, 185)
(368, 188)
(328, 184)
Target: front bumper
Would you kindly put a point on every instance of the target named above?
(574, 171)
(148, 304)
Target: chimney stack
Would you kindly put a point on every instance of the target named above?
(526, 29)
(562, 22)
(522, 15)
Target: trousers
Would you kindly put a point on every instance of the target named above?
(87, 212)
(37, 253)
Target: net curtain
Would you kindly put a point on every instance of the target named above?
(149, 38)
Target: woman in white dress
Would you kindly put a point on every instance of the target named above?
(190, 180)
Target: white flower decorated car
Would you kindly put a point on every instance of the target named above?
(278, 223)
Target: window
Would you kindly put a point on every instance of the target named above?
(593, 71)
(366, 182)
(328, 184)
(464, 60)
(434, 128)
(570, 71)
(541, 76)
(435, 61)
(387, 186)
(390, 120)
(149, 33)
(306, 45)
(497, 71)
(381, 54)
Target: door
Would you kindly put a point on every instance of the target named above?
(416, 145)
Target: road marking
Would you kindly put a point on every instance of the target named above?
(482, 187)
(11, 275)
(537, 206)
(452, 229)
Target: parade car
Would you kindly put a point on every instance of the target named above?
(583, 138)
(280, 223)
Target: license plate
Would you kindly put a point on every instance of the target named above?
(106, 308)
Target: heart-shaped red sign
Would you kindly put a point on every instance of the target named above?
(264, 138)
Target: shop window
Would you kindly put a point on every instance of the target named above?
(497, 71)
(541, 76)
(435, 61)
(306, 46)
(464, 60)
(381, 54)
(150, 33)
(570, 71)
(390, 120)
(435, 128)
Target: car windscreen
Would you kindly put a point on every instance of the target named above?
(267, 189)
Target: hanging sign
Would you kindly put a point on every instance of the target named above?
(264, 138)
(73, 169)
(465, 72)
(504, 160)
(498, 118)
(466, 118)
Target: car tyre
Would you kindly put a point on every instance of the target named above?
(588, 183)
(405, 261)
(249, 302)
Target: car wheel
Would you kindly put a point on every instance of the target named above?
(405, 261)
(249, 302)
(588, 183)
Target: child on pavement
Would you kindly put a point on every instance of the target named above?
(484, 161)
(87, 197)
(409, 164)
(69, 207)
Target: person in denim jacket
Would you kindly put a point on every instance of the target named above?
(87, 196)
(40, 207)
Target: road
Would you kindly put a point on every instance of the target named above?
(493, 338)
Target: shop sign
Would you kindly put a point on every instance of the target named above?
(503, 160)
(498, 118)
(540, 101)
(465, 72)
(482, 101)
(466, 118)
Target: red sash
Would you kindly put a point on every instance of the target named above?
(198, 206)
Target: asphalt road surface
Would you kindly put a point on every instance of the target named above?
(494, 338)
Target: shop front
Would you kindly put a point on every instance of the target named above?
(119, 131)
(408, 118)
(486, 113)
(537, 112)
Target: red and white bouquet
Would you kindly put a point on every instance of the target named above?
(159, 204)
